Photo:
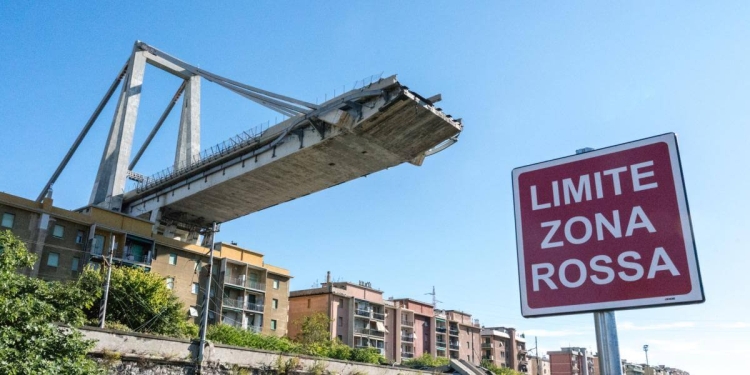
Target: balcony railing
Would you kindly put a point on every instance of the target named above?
(408, 323)
(137, 258)
(454, 346)
(489, 358)
(244, 283)
(369, 332)
(454, 332)
(231, 302)
(407, 338)
(407, 354)
(255, 285)
(378, 316)
(362, 312)
(486, 345)
(440, 329)
(440, 344)
(257, 307)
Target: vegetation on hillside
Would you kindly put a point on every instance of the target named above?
(30, 341)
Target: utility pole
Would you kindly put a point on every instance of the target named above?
(207, 294)
(103, 308)
(645, 349)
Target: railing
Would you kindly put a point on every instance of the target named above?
(231, 302)
(440, 329)
(362, 312)
(486, 345)
(235, 143)
(454, 346)
(454, 332)
(489, 358)
(254, 307)
(244, 283)
(239, 281)
(369, 332)
(255, 285)
(137, 258)
(440, 344)
(407, 338)
(232, 322)
(408, 323)
(407, 354)
(378, 316)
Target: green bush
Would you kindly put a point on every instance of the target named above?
(366, 355)
(498, 370)
(228, 335)
(426, 360)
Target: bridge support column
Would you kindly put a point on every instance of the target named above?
(189, 137)
(109, 184)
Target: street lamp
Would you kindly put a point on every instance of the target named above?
(645, 349)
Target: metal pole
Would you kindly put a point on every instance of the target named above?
(83, 133)
(538, 364)
(103, 309)
(645, 349)
(607, 343)
(207, 296)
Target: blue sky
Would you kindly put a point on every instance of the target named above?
(532, 81)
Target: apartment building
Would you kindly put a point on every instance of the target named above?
(538, 366)
(65, 241)
(400, 328)
(504, 347)
(571, 361)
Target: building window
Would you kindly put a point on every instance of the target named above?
(273, 324)
(308, 303)
(276, 284)
(341, 303)
(341, 338)
(198, 265)
(74, 264)
(275, 303)
(58, 231)
(79, 237)
(8, 220)
(195, 288)
(173, 259)
(170, 283)
(341, 321)
(53, 259)
(98, 245)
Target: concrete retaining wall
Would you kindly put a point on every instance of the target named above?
(177, 353)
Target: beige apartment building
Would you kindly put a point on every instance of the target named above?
(538, 366)
(65, 241)
(504, 347)
(400, 328)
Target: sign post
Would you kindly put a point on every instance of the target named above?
(604, 230)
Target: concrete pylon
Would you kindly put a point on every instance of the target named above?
(189, 136)
(110, 180)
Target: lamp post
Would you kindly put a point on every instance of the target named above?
(645, 349)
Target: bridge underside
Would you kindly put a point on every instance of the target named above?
(384, 132)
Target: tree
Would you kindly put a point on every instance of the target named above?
(313, 329)
(139, 300)
(30, 342)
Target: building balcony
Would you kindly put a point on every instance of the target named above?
(407, 354)
(440, 329)
(486, 345)
(440, 345)
(407, 338)
(255, 285)
(242, 282)
(488, 358)
(362, 312)
(369, 332)
(137, 258)
(257, 307)
(238, 304)
(454, 346)
(454, 332)
(407, 323)
(378, 316)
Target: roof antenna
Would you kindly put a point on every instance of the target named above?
(434, 297)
